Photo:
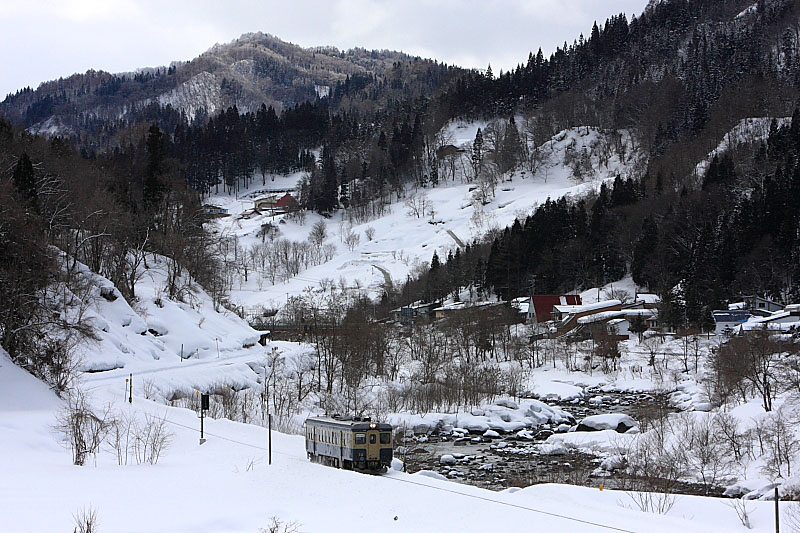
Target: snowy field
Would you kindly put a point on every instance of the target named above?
(226, 485)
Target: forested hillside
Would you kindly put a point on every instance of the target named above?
(676, 79)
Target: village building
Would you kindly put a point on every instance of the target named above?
(214, 211)
(786, 319)
(410, 313)
(726, 322)
(540, 306)
(756, 305)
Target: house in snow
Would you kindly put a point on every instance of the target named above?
(410, 313)
(784, 320)
(569, 317)
(276, 206)
(266, 203)
(647, 300)
(450, 308)
(214, 211)
(540, 306)
(521, 305)
(287, 203)
(618, 323)
(726, 322)
(759, 306)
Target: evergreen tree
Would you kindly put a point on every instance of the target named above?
(511, 148)
(435, 263)
(24, 179)
(477, 153)
(152, 186)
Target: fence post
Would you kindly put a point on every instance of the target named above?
(270, 439)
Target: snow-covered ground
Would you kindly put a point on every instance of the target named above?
(227, 485)
(401, 240)
(178, 347)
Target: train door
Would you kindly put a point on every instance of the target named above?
(373, 445)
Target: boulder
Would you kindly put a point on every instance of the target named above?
(619, 422)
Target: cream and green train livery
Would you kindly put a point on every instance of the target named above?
(349, 443)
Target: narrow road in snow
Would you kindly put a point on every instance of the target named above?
(187, 364)
(455, 238)
(387, 278)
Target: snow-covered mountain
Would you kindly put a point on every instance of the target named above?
(253, 69)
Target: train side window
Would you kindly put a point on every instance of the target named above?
(386, 438)
(372, 438)
(361, 438)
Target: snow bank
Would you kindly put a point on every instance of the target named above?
(607, 440)
(619, 422)
(504, 416)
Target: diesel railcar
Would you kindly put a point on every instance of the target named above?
(349, 443)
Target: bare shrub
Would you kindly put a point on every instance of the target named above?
(742, 511)
(84, 429)
(151, 439)
(369, 233)
(278, 526)
(149, 389)
(120, 437)
(704, 451)
(781, 444)
(651, 502)
(85, 520)
(791, 516)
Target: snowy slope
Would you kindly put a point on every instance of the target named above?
(157, 331)
(403, 241)
(748, 130)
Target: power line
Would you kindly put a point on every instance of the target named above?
(433, 487)
(514, 505)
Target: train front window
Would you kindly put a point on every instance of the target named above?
(372, 438)
(386, 438)
(361, 438)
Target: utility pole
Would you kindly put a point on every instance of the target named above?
(270, 438)
(130, 389)
(203, 407)
(777, 511)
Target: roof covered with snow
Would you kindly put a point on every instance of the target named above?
(576, 309)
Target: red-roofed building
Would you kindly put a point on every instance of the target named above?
(541, 306)
(287, 203)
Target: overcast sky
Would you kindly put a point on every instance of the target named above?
(45, 39)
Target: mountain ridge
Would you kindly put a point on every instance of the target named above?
(254, 69)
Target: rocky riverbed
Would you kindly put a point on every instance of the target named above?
(498, 460)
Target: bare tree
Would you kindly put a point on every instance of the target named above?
(318, 234)
(351, 239)
(83, 428)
